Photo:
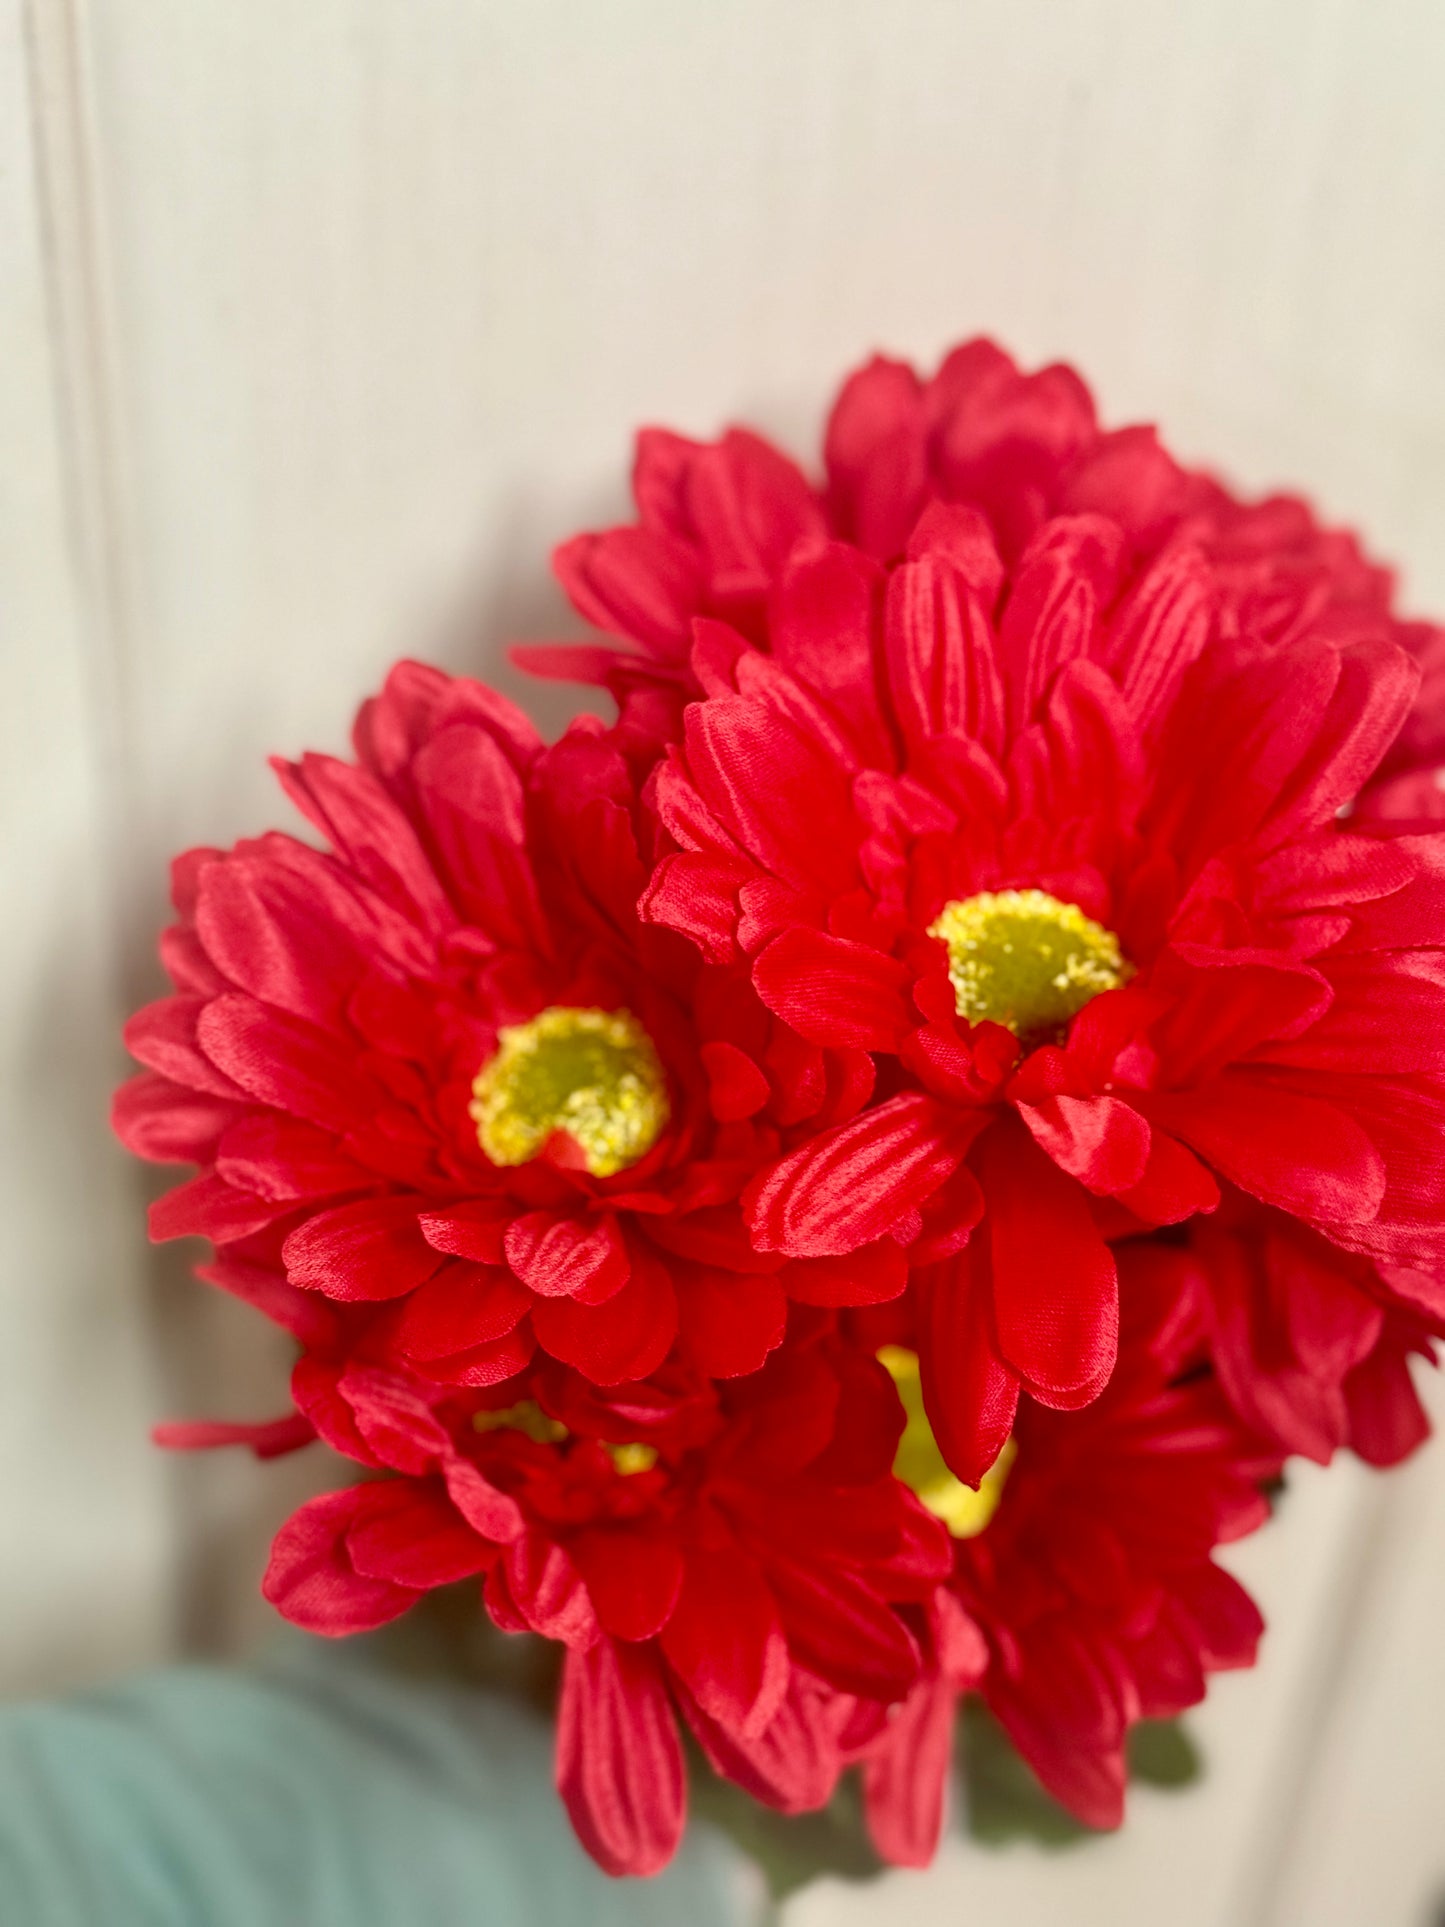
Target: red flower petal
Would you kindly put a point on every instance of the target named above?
(167, 1122)
(1100, 1141)
(365, 1251)
(736, 1087)
(489, 1512)
(905, 1777)
(355, 813)
(487, 1364)
(558, 1256)
(547, 1588)
(821, 624)
(839, 1628)
(715, 1236)
(1162, 626)
(619, 1762)
(1069, 569)
(285, 1063)
(1298, 1152)
(970, 1394)
(163, 1036)
(698, 896)
(625, 1338)
(729, 1320)
(412, 1535)
(873, 1275)
(284, 1158)
(875, 454)
(208, 1207)
(942, 663)
(267, 1438)
(1387, 1420)
(750, 506)
(725, 1640)
(311, 1578)
(762, 773)
(393, 1417)
(287, 929)
(850, 1185)
(1228, 1624)
(833, 991)
(1175, 1185)
(1067, 1727)
(633, 582)
(1055, 1296)
(1377, 683)
(472, 1231)
(633, 1577)
(459, 1306)
(793, 1764)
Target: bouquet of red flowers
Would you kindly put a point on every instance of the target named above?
(841, 1189)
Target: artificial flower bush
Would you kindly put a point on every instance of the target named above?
(840, 1190)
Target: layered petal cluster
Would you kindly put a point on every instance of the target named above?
(730, 1558)
(948, 768)
(841, 1190)
(336, 1011)
(718, 521)
(1311, 1344)
(1095, 1582)
(1000, 649)
(1086, 1564)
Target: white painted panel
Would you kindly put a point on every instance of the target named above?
(84, 1576)
(1369, 1844)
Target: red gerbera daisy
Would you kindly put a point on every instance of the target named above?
(718, 521)
(1066, 859)
(732, 1558)
(449, 1077)
(1086, 1561)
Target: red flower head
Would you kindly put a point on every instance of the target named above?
(718, 522)
(1086, 1560)
(1068, 862)
(730, 1557)
(445, 1073)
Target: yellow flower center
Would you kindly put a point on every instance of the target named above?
(1024, 959)
(527, 1417)
(920, 1464)
(591, 1073)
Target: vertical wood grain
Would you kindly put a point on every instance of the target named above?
(84, 1541)
(1365, 1842)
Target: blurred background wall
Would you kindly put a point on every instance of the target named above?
(321, 322)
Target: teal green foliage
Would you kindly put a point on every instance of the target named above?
(326, 1796)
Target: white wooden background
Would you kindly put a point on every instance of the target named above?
(320, 320)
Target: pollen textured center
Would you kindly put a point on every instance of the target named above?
(591, 1073)
(920, 1464)
(1024, 959)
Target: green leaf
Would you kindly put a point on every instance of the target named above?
(791, 1849)
(1162, 1754)
(1004, 1801)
